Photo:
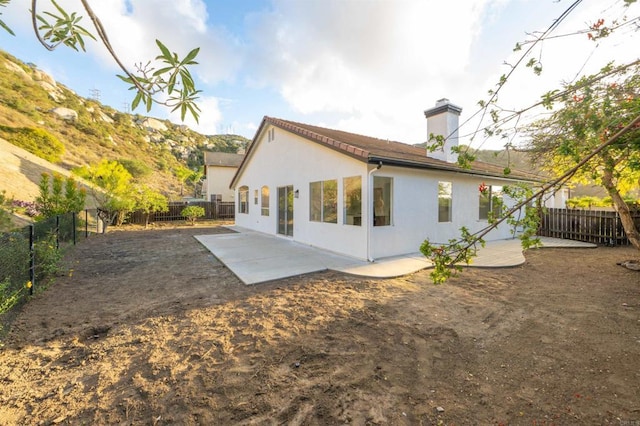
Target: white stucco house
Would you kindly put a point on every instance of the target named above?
(360, 196)
(219, 169)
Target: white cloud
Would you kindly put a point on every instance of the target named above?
(209, 120)
(181, 25)
(564, 60)
(367, 60)
(368, 66)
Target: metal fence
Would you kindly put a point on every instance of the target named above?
(29, 255)
(593, 226)
(217, 210)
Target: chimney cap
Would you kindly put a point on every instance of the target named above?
(443, 105)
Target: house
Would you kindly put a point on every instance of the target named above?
(219, 169)
(365, 197)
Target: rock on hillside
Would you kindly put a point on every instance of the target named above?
(90, 131)
(45, 81)
(66, 114)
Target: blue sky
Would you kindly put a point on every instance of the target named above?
(366, 66)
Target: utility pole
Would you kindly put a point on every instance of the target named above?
(95, 94)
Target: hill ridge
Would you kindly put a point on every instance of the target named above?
(89, 131)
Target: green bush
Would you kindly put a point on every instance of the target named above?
(14, 268)
(587, 202)
(192, 213)
(59, 195)
(14, 252)
(5, 219)
(9, 295)
(47, 257)
(138, 169)
(37, 141)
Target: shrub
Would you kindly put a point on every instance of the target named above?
(192, 213)
(27, 208)
(137, 168)
(9, 295)
(587, 202)
(47, 257)
(5, 220)
(14, 268)
(37, 141)
(59, 195)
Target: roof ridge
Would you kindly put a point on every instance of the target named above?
(326, 140)
(371, 149)
(299, 124)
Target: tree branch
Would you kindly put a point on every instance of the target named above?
(554, 183)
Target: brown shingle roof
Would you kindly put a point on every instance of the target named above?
(373, 150)
(222, 159)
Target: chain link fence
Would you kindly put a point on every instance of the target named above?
(31, 255)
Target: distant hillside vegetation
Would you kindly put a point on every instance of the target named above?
(514, 159)
(50, 121)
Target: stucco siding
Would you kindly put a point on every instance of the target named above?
(291, 160)
(415, 211)
(217, 182)
(287, 159)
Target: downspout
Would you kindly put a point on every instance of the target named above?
(370, 209)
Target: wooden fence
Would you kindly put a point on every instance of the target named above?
(593, 226)
(220, 210)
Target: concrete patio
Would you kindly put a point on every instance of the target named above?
(255, 257)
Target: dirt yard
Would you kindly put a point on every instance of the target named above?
(147, 327)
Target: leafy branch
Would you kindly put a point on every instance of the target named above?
(449, 257)
(4, 3)
(63, 30)
(170, 78)
(173, 78)
(500, 117)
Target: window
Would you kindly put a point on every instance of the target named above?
(444, 201)
(382, 198)
(255, 196)
(265, 201)
(490, 200)
(352, 187)
(243, 199)
(323, 201)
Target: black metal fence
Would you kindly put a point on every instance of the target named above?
(216, 210)
(31, 254)
(593, 226)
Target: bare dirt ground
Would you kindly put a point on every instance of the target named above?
(147, 327)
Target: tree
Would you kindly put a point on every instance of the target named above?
(194, 178)
(113, 191)
(149, 201)
(192, 213)
(171, 76)
(589, 115)
(183, 174)
(612, 137)
(59, 195)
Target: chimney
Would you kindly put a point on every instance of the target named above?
(443, 120)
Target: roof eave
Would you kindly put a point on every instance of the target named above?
(248, 153)
(418, 165)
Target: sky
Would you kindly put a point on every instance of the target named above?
(366, 66)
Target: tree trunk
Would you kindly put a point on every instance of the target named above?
(622, 208)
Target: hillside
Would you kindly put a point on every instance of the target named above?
(514, 159)
(83, 131)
